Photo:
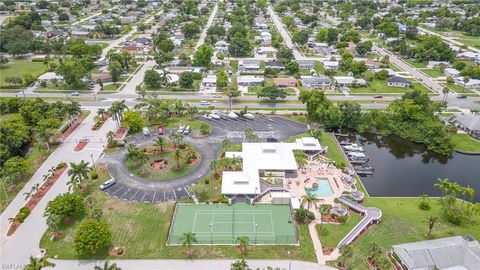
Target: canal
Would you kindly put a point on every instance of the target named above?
(407, 169)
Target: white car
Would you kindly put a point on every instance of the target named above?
(107, 184)
(181, 129)
(215, 116)
(204, 103)
(232, 115)
(217, 96)
(207, 116)
(75, 94)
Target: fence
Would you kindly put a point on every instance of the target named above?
(213, 239)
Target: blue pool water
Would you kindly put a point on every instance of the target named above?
(312, 165)
(323, 190)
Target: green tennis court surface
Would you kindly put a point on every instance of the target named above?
(222, 224)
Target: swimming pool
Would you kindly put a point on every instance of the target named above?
(323, 190)
(312, 165)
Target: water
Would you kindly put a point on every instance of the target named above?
(312, 165)
(407, 169)
(323, 190)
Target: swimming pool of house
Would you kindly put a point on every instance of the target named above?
(312, 165)
(324, 188)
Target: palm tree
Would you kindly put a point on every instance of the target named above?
(116, 110)
(442, 184)
(110, 136)
(226, 144)
(324, 209)
(310, 198)
(79, 172)
(53, 221)
(214, 165)
(431, 222)
(177, 155)
(108, 266)
(301, 214)
(142, 159)
(445, 92)
(187, 240)
(316, 133)
(231, 92)
(38, 263)
(101, 112)
(165, 79)
(73, 110)
(160, 141)
(467, 192)
(133, 153)
(474, 208)
(242, 244)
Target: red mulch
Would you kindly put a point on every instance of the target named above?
(120, 132)
(373, 263)
(329, 218)
(72, 127)
(327, 250)
(32, 202)
(80, 145)
(160, 164)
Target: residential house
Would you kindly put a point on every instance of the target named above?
(249, 80)
(268, 50)
(438, 64)
(315, 82)
(50, 77)
(333, 65)
(390, 71)
(468, 122)
(306, 64)
(221, 46)
(249, 66)
(348, 81)
(266, 37)
(285, 82)
(209, 82)
(399, 82)
(468, 55)
(275, 65)
(451, 72)
(470, 84)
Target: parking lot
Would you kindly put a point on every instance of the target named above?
(132, 188)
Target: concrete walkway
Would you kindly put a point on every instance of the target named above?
(203, 35)
(316, 241)
(16, 248)
(191, 264)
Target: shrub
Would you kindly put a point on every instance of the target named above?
(22, 214)
(91, 236)
(68, 204)
(310, 215)
(454, 216)
(120, 250)
(424, 206)
(342, 219)
(203, 196)
(61, 165)
(25, 210)
(94, 175)
(207, 181)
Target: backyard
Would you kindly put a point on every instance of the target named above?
(380, 87)
(434, 72)
(465, 143)
(20, 67)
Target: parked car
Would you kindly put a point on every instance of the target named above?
(378, 96)
(107, 184)
(461, 96)
(204, 103)
(181, 129)
(75, 94)
(145, 131)
(217, 96)
(187, 130)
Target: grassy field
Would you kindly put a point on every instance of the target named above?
(171, 171)
(470, 41)
(111, 87)
(20, 67)
(416, 63)
(143, 230)
(434, 72)
(404, 222)
(332, 234)
(458, 88)
(465, 143)
(379, 87)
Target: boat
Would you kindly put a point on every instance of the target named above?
(249, 116)
(215, 116)
(364, 172)
(345, 143)
(353, 148)
(232, 115)
(364, 168)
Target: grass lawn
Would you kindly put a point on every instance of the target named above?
(416, 63)
(171, 171)
(332, 234)
(458, 88)
(319, 67)
(20, 67)
(143, 230)
(470, 41)
(380, 87)
(434, 72)
(404, 222)
(465, 143)
(111, 87)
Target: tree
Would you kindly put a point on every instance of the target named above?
(431, 221)
(316, 133)
(309, 199)
(324, 209)
(160, 141)
(242, 244)
(177, 156)
(152, 79)
(301, 37)
(204, 128)
(73, 71)
(46, 128)
(322, 35)
(141, 91)
(240, 265)
(203, 56)
(443, 185)
(14, 168)
(91, 236)
(3, 60)
(78, 174)
(66, 205)
(190, 30)
(222, 79)
(110, 136)
(53, 221)
(292, 67)
(107, 266)
(272, 92)
(374, 250)
(301, 214)
(364, 47)
(133, 120)
(239, 46)
(187, 240)
(162, 57)
(347, 252)
(186, 79)
(285, 54)
(37, 263)
(115, 69)
(231, 92)
(351, 114)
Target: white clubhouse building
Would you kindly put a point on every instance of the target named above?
(262, 158)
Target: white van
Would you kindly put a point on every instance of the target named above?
(145, 131)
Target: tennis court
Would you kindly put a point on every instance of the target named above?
(222, 224)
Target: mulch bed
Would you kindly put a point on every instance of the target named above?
(329, 218)
(112, 251)
(120, 132)
(81, 145)
(34, 200)
(373, 263)
(327, 250)
(72, 127)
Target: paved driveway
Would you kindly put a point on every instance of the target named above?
(130, 187)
